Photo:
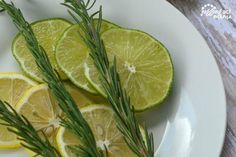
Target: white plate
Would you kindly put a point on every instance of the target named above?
(192, 121)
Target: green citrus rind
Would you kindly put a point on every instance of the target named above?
(34, 72)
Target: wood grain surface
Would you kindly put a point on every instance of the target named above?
(220, 35)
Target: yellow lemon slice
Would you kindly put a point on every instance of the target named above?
(12, 87)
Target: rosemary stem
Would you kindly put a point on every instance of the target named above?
(26, 133)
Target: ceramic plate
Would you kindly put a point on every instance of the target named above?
(191, 123)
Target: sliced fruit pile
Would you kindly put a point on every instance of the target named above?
(41, 109)
(145, 69)
(144, 64)
(37, 104)
(72, 53)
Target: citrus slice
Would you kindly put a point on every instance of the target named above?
(71, 53)
(12, 87)
(143, 63)
(82, 97)
(102, 122)
(48, 33)
(41, 109)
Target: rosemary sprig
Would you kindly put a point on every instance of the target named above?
(26, 133)
(116, 95)
(74, 120)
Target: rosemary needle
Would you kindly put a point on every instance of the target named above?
(26, 133)
(74, 120)
(127, 123)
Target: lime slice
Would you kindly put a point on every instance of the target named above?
(41, 109)
(144, 65)
(102, 122)
(71, 53)
(12, 87)
(48, 33)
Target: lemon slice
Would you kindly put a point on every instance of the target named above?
(71, 53)
(12, 87)
(48, 33)
(41, 109)
(143, 63)
(102, 122)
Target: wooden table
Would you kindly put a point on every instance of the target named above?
(221, 37)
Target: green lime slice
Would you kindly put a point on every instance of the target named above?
(72, 52)
(47, 32)
(143, 63)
